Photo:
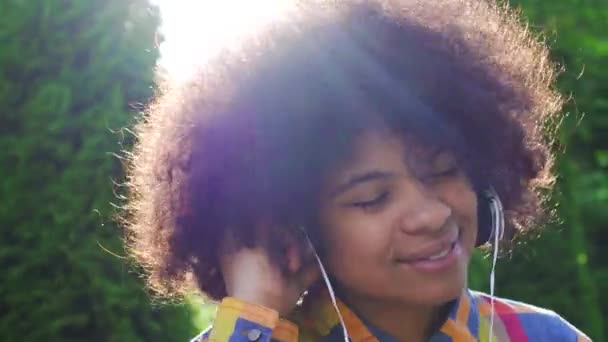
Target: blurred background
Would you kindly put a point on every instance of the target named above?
(75, 73)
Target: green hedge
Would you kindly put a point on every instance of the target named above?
(567, 268)
(71, 72)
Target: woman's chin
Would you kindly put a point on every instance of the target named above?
(436, 293)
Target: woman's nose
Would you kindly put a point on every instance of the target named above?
(422, 211)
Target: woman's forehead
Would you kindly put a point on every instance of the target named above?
(384, 140)
(377, 149)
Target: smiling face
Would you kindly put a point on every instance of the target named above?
(399, 223)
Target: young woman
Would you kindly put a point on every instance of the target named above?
(330, 178)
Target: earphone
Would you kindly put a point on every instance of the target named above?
(330, 288)
(494, 230)
(490, 217)
(491, 227)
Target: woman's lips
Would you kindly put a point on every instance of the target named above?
(432, 250)
(439, 256)
(438, 262)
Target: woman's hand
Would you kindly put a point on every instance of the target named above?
(252, 276)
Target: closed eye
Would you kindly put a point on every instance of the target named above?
(451, 171)
(440, 175)
(372, 203)
(442, 164)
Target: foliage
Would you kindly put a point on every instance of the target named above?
(70, 72)
(565, 269)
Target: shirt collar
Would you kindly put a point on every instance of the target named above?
(320, 317)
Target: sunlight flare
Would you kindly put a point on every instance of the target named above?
(194, 30)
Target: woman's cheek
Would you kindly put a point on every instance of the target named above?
(357, 240)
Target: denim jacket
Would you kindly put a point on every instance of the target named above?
(468, 320)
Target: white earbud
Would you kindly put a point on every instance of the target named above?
(498, 231)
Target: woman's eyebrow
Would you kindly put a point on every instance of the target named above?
(430, 156)
(357, 179)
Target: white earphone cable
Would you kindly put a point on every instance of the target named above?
(330, 288)
(333, 297)
(498, 232)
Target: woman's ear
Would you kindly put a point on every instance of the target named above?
(490, 216)
(484, 219)
(299, 252)
(285, 244)
(293, 258)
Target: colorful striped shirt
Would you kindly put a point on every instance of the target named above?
(469, 320)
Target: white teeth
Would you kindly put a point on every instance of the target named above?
(440, 254)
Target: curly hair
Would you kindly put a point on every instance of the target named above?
(253, 135)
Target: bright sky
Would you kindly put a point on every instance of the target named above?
(195, 29)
